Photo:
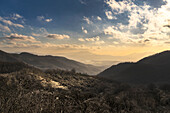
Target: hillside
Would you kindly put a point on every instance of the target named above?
(162, 58)
(57, 91)
(5, 57)
(50, 62)
(152, 69)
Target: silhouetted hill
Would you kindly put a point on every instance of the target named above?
(162, 58)
(50, 62)
(152, 69)
(5, 57)
(116, 69)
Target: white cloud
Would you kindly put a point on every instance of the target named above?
(4, 28)
(81, 39)
(110, 15)
(42, 18)
(82, 2)
(87, 20)
(93, 39)
(48, 20)
(16, 16)
(145, 24)
(10, 23)
(121, 6)
(124, 37)
(35, 34)
(58, 36)
(110, 38)
(19, 38)
(84, 30)
(99, 18)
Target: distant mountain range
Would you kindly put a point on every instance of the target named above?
(152, 69)
(50, 62)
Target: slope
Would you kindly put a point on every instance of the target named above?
(152, 69)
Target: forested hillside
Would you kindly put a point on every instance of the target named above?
(56, 91)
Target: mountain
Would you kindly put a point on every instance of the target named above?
(50, 62)
(5, 57)
(162, 58)
(152, 69)
(25, 88)
(8, 67)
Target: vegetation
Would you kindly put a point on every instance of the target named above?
(56, 91)
(7, 67)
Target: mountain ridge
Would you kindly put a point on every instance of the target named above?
(151, 69)
(49, 62)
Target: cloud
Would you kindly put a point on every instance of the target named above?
(121, 6)
(84, 30)
(48, 20)
(82, 2)
(20, 38)
(110, 15)
(10, 23)
(110, 38)
(16, 16)
(4, 28)
(42, 18)
(145, 23)
(167, 26)
(41, 32)
(99, 18)
(58, 36)
(62, 48)
(96, 40)
(67, 46)
(34, 34)
(81, 39)
(123, 37)
(14, 45)
(116, 34)
(87, 20)
(24, 41)
(15, 40)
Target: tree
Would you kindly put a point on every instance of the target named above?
(73, 70)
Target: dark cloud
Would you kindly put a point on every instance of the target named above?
(58, 36)
(167, 26)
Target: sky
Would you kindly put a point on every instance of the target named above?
(99, 32)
